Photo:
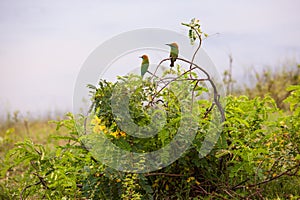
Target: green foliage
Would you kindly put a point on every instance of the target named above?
(257, 155)
(274, 82)
(294, 98)
(195, 31)
(262, 152)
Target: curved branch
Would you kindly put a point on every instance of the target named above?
(270, 179)
(163, 60)
(215, 91)
(199, 46)
(174, 79)
(216, 95)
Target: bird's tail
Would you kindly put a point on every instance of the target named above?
(172, 63)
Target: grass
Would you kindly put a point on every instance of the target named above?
(18, 129)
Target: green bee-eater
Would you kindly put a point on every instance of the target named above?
(173, 53)
(145, 65)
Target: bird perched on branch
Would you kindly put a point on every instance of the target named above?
(173, 53)
(145, 65)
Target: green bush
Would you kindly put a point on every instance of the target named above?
(256, 156)
(262, 152)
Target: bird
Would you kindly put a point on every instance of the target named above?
(173, 53)
(145, 65)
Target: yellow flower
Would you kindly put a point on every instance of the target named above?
(97, 128)
(167, 187)
(118, 180)
(190, 179)
(105, 131)
(96, 120)
(122, 134)
(118, 134)
(114, 134)
(102, 127)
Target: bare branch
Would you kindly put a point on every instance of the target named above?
(287, 172)
(164, 174)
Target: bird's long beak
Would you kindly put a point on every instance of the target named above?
(168, 44)
(141, 57)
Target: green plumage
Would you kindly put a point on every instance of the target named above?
(145, 65)
(173, 53)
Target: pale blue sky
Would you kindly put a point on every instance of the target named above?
(44, 43)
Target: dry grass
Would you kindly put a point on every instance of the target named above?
(39, 131)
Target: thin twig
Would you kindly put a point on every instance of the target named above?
(174, 79)
(271, 179)
(163, 60)
(239, 184)
(199, 46)
(256, 172)
(215, 91)
(208, 110)
(216, 95)
(165, 174)
(193, 91)
(28, 186)
(229, 194)
(39, 177)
